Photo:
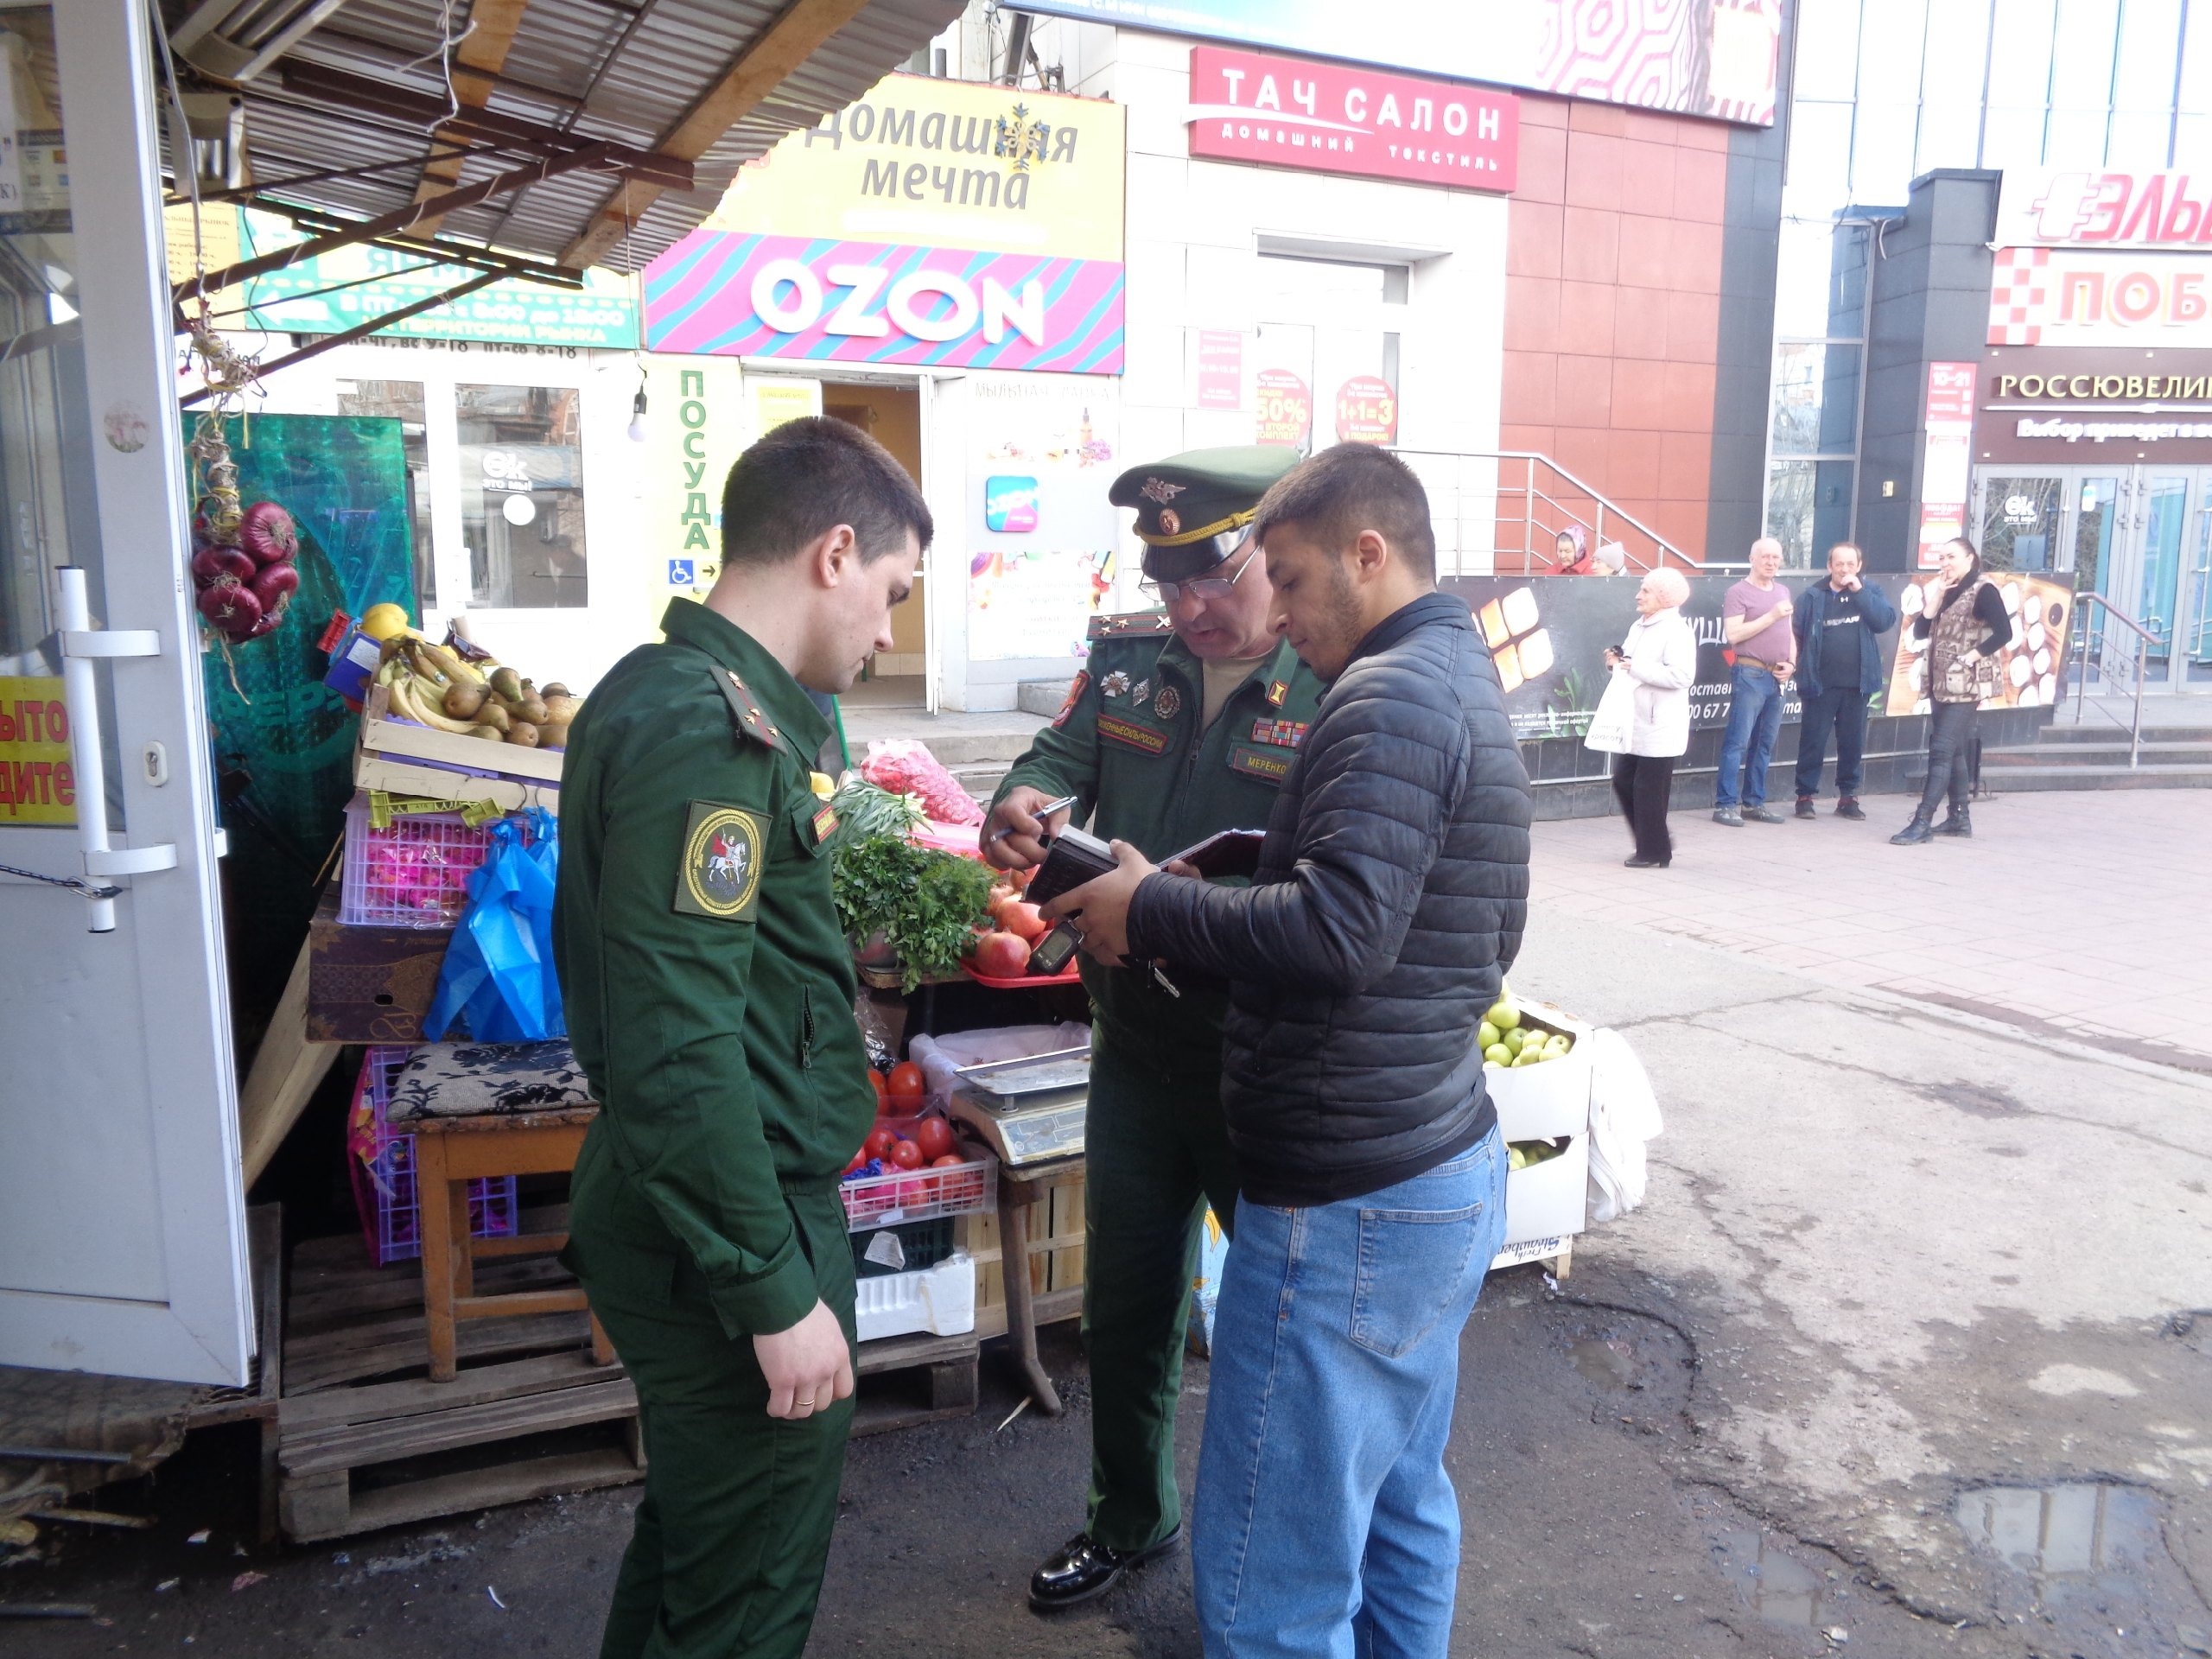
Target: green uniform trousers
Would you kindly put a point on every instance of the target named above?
(733, 1533)
(1156, 1152)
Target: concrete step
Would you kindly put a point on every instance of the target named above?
(1044, 698)
(2097, 777)
(2102, 731)
(2160, 753)
(957, 740)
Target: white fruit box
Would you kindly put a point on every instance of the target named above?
(940, 1300)
(1543, 1103)
(1550, 1200)
(394, 776)
(403, 739)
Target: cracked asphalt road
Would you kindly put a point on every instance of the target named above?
(1912, 1342)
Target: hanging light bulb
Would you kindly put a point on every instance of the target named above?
(638, 413)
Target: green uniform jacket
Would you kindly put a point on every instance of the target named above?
(710, 990)
(1127, 743)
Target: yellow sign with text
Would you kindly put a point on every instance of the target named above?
(37, 782)
(944, 164)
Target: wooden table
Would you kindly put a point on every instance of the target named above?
(451, 1152)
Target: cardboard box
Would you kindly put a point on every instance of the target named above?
(396, 777)
(1549, 1200)
(403, 739)
(1544, 1103)
(370, 984)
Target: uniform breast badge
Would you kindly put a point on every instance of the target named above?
(1167, 702)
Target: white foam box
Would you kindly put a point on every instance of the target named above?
(940, 1300)
(1546, 1204)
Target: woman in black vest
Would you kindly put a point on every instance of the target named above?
(1965, 630)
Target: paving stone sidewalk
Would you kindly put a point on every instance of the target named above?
(2084, 914)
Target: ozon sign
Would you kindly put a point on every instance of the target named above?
(735, 295)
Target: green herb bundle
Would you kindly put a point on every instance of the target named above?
(924, 902)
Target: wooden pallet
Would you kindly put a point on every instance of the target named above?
(904, 1381)
(364, 1440)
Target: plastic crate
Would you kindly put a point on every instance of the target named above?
(921, 1244)
(412, 873)
(901, 1195)
(382, 1166)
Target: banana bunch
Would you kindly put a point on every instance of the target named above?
(436, 687)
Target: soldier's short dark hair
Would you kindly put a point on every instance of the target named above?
(807, 478)
(1333, 496)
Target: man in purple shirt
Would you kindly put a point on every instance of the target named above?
(1754, 619)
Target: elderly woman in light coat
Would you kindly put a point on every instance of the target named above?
(1659, 657)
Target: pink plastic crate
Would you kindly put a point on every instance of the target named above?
(413, 873)
(382, 1164)
(872, 1201)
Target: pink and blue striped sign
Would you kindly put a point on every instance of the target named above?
(724, 293)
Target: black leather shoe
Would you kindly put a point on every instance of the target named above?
(1914, 834)
(1848, 808)
(1960, 822)
(1643, 863)
(1084, 1569)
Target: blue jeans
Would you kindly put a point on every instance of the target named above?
(1754, 717)
(1325, 1522)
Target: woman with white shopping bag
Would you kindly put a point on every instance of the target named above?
(1643, 719)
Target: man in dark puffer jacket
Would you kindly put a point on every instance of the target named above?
(1387, 903)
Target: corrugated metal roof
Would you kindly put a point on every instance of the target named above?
(626, 72)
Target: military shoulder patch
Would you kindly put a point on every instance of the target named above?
(1133, 625)
(724, 848)
(1278, 691)
(1076, 688)
(1258, 763)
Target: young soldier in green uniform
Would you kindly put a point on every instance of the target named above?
(1181, 724)
(709, 995)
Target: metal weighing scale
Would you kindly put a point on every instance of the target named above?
(1029, 1111)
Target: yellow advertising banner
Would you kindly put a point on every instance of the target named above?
(697, 426)
(944, 164)
(37, 784)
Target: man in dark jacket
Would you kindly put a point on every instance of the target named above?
(1387, 903)
(1839, 668)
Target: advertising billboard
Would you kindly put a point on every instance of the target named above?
(933, 222)
(1715, 58)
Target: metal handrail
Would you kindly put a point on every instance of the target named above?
(1602, 507)
(2148, 636)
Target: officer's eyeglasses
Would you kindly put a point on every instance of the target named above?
(1204, 587)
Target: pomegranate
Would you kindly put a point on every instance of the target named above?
(1002, 955)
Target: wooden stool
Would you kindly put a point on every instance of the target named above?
(451, 1152)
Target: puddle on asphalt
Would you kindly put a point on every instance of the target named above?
(1778, 1589)
(2073, 1532)
(1608, 1362)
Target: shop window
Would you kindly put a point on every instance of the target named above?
(522, 495)
(402, 401)
(2093, 528)
(2019, 522)
(1808, 508)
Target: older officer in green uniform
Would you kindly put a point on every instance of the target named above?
(709, 997)
(1181, 724)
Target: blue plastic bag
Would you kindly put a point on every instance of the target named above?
(499, 972)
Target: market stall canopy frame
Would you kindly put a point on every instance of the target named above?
(633, 115)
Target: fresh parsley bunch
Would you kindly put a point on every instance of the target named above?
(924, 902)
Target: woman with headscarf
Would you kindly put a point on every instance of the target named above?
(1966, 626)
(1659, 658)
(1573, 551)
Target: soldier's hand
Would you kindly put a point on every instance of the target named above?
(808, 1367)
(1010, 836)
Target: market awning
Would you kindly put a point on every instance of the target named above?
(539, 136)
